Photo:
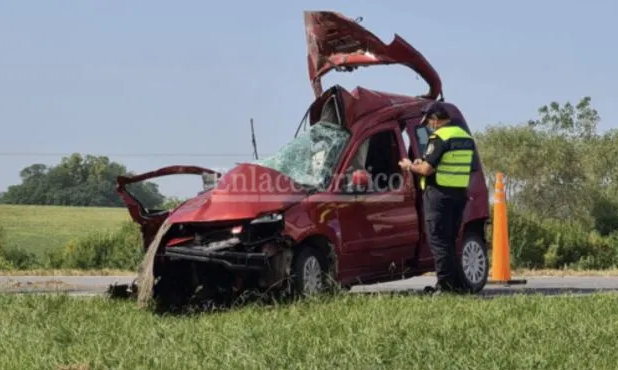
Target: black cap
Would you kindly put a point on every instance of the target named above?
(435, 108)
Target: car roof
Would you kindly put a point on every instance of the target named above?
(361, 103)
(363, 108)
(367, 101)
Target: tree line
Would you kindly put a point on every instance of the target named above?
(78, 181)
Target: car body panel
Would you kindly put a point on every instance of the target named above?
(379, 229)
(335, 41)
(244, 192)
(238, 195)
(150, 221)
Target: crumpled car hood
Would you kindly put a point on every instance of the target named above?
(245, 192)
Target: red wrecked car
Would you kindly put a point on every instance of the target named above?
(332, 205)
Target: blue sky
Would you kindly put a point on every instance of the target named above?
(130, 79)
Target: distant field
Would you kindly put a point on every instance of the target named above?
(40, 228)
(348, 332)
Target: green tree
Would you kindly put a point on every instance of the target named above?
(78, 181)
(558, 165)
(172, 202)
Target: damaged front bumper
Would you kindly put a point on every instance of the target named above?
(237, 261)
(247, 247)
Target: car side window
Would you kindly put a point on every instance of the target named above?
(379, 155)
(360, 158)
(406, 140)
(422, 137)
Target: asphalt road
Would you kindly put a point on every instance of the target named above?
(92, 285)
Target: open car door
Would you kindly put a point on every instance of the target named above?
(151, 219)
(337, 42)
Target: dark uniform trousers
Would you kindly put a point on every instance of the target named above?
(443, 216)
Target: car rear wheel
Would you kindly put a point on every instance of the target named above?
(309, 272)
(474, 263)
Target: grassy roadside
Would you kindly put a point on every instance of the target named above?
(66, 272)
(347, 332)
(564, 272)
(112, 272)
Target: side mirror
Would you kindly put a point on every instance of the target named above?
(359, 181)
(360, 178)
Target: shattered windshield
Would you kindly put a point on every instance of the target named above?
(309, 159)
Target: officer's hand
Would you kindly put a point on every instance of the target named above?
(418, 161)
(405, 163)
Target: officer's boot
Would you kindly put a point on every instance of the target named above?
(441, 287)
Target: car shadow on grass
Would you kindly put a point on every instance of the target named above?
(270, 302)
(198, 306)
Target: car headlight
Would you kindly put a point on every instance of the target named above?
(273, 217)
(263, 228)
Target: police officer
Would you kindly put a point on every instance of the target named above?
(445, 171)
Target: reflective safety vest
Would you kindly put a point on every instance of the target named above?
(453, 170)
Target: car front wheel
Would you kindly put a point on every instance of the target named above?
(309, 272)
(474, 263)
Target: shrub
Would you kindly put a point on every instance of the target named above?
(528, 240)
(605, 215)
(603, 252)
(13, 258)
(2, 240)
(20, 259)
(4, 263)
(538, 243)
(117, 249)
(568, 244)
(172, 202)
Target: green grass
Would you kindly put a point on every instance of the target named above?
(348, 332)
(40, 228)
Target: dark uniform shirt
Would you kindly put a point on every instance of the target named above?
(436, 147)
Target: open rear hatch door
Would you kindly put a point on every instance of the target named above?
(151, 219)
(337, 42)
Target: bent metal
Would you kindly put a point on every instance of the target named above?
(330, 207)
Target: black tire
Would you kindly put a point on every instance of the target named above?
(474, 254)
(309, 258)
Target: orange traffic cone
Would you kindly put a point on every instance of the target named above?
(501, 259)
